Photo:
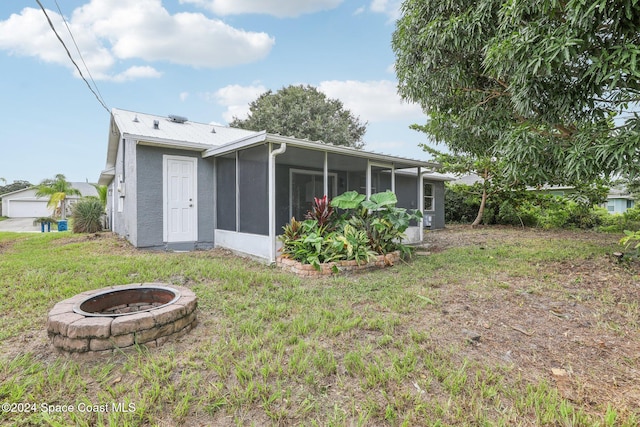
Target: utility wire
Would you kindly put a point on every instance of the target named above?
(71, 57)
(79, 52)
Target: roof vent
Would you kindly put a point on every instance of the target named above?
(177, 119)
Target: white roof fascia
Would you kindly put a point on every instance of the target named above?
(161, 142)
(437, 176)
(106, 176)
(262, 137)
(257, 138)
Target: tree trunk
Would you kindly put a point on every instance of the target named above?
(483, 202)
(63, 209)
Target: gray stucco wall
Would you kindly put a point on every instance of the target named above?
(149, 175)
(124, 223)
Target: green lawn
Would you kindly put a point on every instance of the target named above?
(469, 335)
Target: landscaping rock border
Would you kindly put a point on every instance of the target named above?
(74, 333)
(329, 268)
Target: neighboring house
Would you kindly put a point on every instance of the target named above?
(619, 200)
(25, 204)
(178, 185)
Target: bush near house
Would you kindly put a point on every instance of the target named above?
(87, 215)
(532, 209)
(362, 229)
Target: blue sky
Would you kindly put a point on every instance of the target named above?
(202, 59)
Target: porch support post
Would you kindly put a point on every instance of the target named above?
(237, 190)
(420, 203)
(326, 174)
(393, 178)
(272, 198)
(368, 179)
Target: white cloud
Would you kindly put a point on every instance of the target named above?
(137, 72)
(107, 31)
(373, 101)
(388, 7)
(29, 34)
(359, 11)
(236, 99)
(278, 8)
(183, 96)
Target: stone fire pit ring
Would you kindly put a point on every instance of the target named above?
(117, 317)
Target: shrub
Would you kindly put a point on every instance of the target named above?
(363, 229)
(87, 215)
(461, 203)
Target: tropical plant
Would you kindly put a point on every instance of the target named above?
(379, 217)
(631, 240)
(292, 230)
(321, 210)
(364, 229)
(102, 194)
(87, 215)
(57, 189)
(353, 244)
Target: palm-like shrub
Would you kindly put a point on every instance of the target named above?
(57, 190)
(87, 215)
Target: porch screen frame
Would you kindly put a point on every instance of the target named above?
(314, 173)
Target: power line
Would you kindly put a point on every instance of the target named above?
(71, 57)
(79, 52)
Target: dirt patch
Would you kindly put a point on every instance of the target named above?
(577, 327)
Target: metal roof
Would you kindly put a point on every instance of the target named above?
(140, 126)
(212, 140)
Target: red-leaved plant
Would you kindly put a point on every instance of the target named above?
(321, 211)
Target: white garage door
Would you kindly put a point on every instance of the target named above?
(28, 209)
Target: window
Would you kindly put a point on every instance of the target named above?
(428, 197)
(304, 186)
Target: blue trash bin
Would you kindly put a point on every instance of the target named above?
(62, 225)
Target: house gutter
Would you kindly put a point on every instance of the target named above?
(272, 198)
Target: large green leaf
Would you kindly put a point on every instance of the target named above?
(348, 200)
(380, 200)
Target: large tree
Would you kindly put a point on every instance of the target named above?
(14, 186)
(306, 113)
(57, 189)
(543, 85)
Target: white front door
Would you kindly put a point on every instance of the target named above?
(180, 204)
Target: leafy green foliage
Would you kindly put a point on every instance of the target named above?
(364, 229)
(102, 193)
(87, 215)
(534, 209)
(57, 189)
(14, 186)
(348, 200)
(631, 240)
(544, 86)
(305, 113)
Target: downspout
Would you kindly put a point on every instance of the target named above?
(421, 203)
(272, 199)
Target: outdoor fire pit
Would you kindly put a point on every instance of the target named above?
(121, 316)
